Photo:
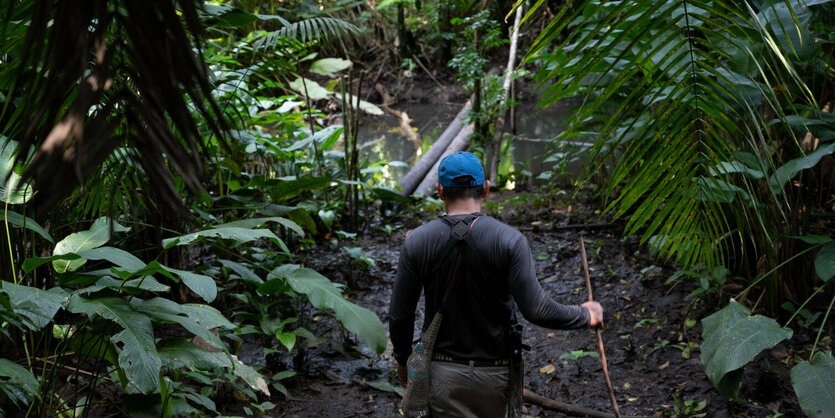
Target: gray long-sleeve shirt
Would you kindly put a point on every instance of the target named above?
(494, 272)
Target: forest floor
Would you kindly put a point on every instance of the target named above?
(652, 333)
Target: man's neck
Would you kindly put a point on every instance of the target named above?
(463, 207)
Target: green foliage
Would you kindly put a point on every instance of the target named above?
(96, 236)
(17, 219)
(814, 384)
(11, 189)
(732, 338)
(825, 262)
(37, 306)
(673, 91)
(578, 354)
(325, 294)
(17, 383)
(688, 408)
(138, 359)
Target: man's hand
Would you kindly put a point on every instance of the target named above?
(595, 312)
(402, 374)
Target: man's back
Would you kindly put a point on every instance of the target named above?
(496, 267)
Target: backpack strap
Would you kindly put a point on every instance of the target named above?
(459, 232)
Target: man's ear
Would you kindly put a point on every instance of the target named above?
(440, 190)
(486, 189)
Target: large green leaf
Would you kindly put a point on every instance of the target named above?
(825, 262)
(309, 88)
(18, 383)
(732, 338)
(236, 234)
(184, 354)
(290, 187)
(96, 236)
(204, 286)
(11, 191)
(116, 256)
(241, 270)
(814, 384)
(197, 319)
(138, 359)
(317, 92)
(17, 219)
(329, 66)
(324, 294)
(256, 222)
(148, 283)
(36, 305)
(790, 169)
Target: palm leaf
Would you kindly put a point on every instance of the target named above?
(87, 79)
(670, 98)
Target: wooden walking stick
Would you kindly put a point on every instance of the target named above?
(597, 331)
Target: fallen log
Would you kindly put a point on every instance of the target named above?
(566, 408)
(459, 143)
(409, 183)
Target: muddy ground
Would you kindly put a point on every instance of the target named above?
(652, 333)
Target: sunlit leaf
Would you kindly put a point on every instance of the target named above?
(78, 242)
(235, 234)
(329, 66)
(11, 189)
(309, 88)
(17, 219)
(256, 222)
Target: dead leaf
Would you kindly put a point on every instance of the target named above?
(664, 366)
(547, 369)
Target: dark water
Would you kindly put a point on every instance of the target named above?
(381, 140)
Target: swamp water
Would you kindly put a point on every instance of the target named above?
(380, 139)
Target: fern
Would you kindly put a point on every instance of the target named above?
(316, 29)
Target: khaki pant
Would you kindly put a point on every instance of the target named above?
(458, 390)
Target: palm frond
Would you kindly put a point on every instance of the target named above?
(298, 34)
(82, 70)
(667, 92)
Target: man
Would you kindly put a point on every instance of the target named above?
(469, 373)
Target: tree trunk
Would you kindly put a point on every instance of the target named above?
(427, 186)
(508, 76)
(410, 181)
(444, 27)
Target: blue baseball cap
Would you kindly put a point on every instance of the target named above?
(462, 169)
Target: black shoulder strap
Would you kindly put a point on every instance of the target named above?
(459, 231)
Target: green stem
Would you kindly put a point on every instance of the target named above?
(823, 324)
(809, 299)
(776, 268)
(9, 240)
